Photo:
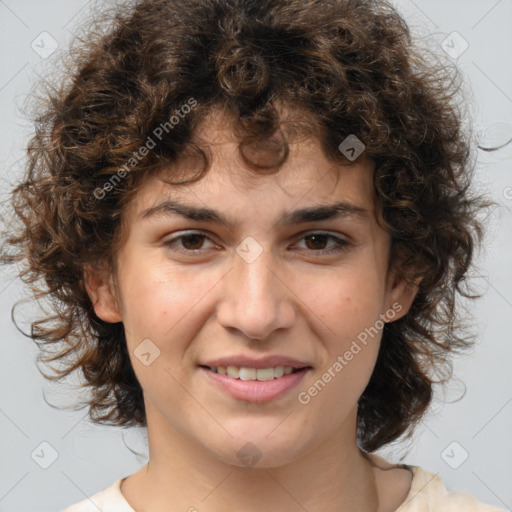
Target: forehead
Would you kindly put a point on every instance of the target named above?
(306, 177)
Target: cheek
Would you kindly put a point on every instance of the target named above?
(156, 316)
(351, 312)
(154, 301)
(346, 301)
(348, 304)
(169, 307)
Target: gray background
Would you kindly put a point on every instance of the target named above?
(468, 442)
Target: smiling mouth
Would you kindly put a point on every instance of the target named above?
(253, 374)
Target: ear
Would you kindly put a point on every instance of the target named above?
(100, 287)
(401, 295)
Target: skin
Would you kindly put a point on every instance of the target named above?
(290, 300)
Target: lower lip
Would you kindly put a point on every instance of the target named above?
(255, 390)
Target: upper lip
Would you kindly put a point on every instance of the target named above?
(250, 362)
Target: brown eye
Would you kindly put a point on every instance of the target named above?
(316, 242)
(190, 243)
(193, 242)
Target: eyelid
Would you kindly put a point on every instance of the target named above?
(183, 234)
(342, 242)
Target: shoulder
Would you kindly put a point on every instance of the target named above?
(428, 494)
(108, 500)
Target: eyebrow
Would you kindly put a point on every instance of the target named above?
(339, 209)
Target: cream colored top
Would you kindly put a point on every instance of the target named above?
(427, 494)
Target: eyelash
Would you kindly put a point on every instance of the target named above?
(341, 243)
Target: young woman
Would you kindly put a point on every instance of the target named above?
(253, 221)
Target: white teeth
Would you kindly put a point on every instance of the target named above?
(261, 374)
(265, 374)
(279, 371)
(248, 373)
(233, 371)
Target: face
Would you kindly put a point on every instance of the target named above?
(310, 293)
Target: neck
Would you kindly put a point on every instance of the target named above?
(328, 478)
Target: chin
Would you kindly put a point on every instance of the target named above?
(259, 452)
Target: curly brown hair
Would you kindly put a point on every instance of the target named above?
(349, 67)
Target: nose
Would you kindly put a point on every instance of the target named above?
(256, 300)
